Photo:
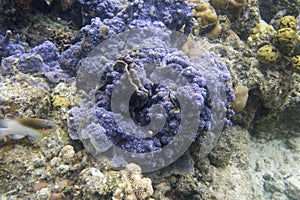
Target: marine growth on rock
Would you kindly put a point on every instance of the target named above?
(146, 95)
(141, 94)
(175, 15)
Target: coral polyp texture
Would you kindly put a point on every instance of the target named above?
(283, 43)
(99, 8)
(148, 74)
(288, 22)
(296, 62)
(286, 40)
(176, 15)
(261, 34)
(268, 54)
(150, 93)
(94, 120)
(7, 48)
(42, 59)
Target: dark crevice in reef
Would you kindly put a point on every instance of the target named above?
(34, 21)
(269, 8)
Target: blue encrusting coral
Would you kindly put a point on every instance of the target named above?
(7, 48)
(151, 93)
(40, 59)
(100, 8)
(176, 15)
(150, 43)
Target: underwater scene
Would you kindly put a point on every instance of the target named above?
(150, 100)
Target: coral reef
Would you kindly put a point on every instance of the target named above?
(268, 54)
(99, 8)
(231, 7)
(99, 30)
(134, 186)
(7, 48)
(24, 96)
(68, 154)
(44, 27)
(159, 94)
(281, 45)
(240, 165)
(241, 97)
(148, 93)
(63, 96)
(273, 89)
(93, 182)
(288, 22)
(126, 184)
(206, 17)
(14, 13)
(296, 63)
(256, 158)
(242, 15)
(286, 39)
(174, 14)
(261, 34)
(270, 8)
(31, 19)
(41, 59)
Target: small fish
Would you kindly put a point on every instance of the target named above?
(19, 128)
(48, 2)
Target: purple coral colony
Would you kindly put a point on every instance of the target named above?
(104, 19)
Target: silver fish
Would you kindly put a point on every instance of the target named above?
(19, 128)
